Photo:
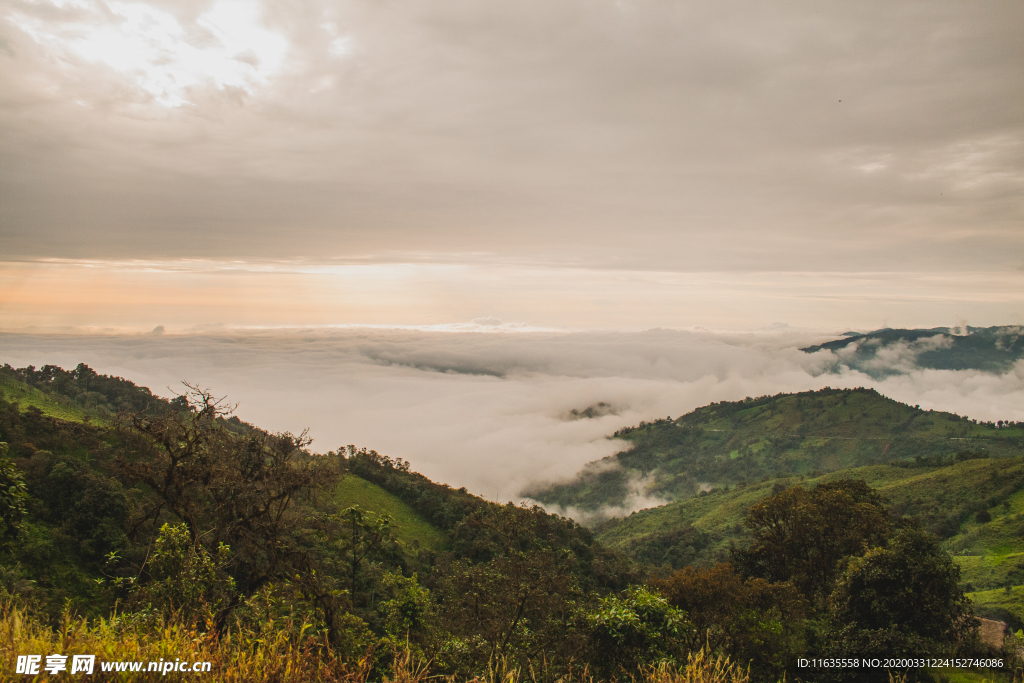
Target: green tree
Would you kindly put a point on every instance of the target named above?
(13, 496)
(800, 536)
(513, 594)
(90, 510)
(409, 608)
(361, 534)
(749, 620)
(903, 598)
(184, 576)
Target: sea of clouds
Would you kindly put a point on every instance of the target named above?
(489, 406)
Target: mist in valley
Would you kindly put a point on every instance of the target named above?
(491, 407)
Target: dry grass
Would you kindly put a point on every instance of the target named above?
(700, 668)
(284, 654)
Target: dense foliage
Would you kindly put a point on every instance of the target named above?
(801, 536)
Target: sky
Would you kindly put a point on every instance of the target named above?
(607, 164)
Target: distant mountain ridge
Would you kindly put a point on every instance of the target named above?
(809, 433)
(892, 351)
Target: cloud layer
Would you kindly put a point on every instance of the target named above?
(637, 133)
(491, 411)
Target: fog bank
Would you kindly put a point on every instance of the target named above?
(493, 411)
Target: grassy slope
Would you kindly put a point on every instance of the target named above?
(992, 554)
(53, 406)
(809, 433)
(411, 529)
(989, 554)
(998, 603)
(953, 675)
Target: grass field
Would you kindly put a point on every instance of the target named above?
(53, 406)
(969, 676)
(411, 530)
(996, 601)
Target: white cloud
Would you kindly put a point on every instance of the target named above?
(637, 498)
(981, 395)
(152, 49)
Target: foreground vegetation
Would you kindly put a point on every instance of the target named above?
(277, 652)
(171, 530)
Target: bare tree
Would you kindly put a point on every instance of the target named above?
(236, 490)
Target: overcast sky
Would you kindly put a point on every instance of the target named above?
(591, 163)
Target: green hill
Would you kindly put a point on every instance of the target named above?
(83, 395)
(49, 404)
(741, 442)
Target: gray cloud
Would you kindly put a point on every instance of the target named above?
(503, 427)
(637, 133)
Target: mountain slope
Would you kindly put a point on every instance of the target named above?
(809, 433)
(47, 403)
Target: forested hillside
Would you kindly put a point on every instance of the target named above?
(744, 442)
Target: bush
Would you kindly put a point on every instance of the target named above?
(635, 629)
(904, 598)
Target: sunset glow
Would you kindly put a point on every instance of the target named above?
(195, 294)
